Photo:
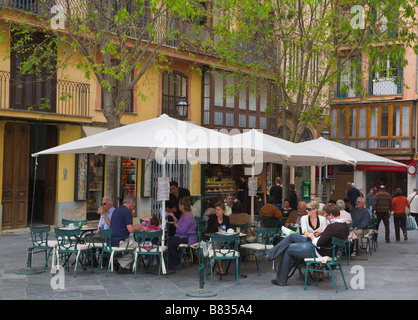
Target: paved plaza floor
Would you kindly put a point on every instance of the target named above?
(390, 273)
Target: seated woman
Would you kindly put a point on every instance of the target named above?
(238, 216)
(185, 232)
(312, 221)
(211, 209)
(286, 209)
(215, 221)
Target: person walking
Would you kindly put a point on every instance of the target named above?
(382, 205)
(399, 202)
(369, 201)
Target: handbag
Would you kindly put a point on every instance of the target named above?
(407, 209)
(411, 224)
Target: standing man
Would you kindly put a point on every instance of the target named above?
(369, 201)
(105, 211)
(413, 202)
(242, 192)
(382, 204)
(293, 196)
(176, 193)
(353, 193)
(277, 192)
(360, 219)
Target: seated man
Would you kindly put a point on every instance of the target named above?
(296, 215)
(229, 201)
(270, 210)
(122, 226)
(298, 246)
(360, 219)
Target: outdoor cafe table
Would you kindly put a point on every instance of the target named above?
(84, 231)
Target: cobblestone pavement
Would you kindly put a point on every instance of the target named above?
(390, 273)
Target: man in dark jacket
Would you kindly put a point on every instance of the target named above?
(176, 192)
(382, 204)
(276, 191)
(298, 246)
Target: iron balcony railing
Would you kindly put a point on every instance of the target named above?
(72, 98)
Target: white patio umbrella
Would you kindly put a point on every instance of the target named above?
(353, 155)
(161, 138)
(267, 148)
(262, 148)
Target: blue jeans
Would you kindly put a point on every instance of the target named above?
(293, 246)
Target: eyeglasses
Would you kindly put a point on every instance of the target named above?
(310, 209)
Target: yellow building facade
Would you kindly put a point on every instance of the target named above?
(24, 131)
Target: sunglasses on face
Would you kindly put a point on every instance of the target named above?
(310, 209)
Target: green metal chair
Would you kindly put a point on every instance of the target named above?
(104, 243)
(329, 263)
(264, 241)
(224, 247)
(149, 244)
(68, 243)
(267, 222)
(201, 226)
(106, 248)
(39, 236)
(370, 238)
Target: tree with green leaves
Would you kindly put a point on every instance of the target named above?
(119, 40)
(305, 46)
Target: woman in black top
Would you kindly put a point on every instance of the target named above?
(215, 221)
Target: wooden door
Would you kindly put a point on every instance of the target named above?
(50, 176)
(341, 184)
(15, 175)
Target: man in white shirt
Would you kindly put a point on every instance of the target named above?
(105, 211)
(229, 201)
(413, 201)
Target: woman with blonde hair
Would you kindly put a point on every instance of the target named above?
(312, 220)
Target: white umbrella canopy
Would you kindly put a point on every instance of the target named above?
(259, 148)
(266, 148)
(161, 138)
(353, 155)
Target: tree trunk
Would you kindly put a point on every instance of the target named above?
(113, 116)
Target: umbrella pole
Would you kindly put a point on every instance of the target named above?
(29, 270)
(252, 198)
(320, 183)
(201, 292)
(163, 209)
